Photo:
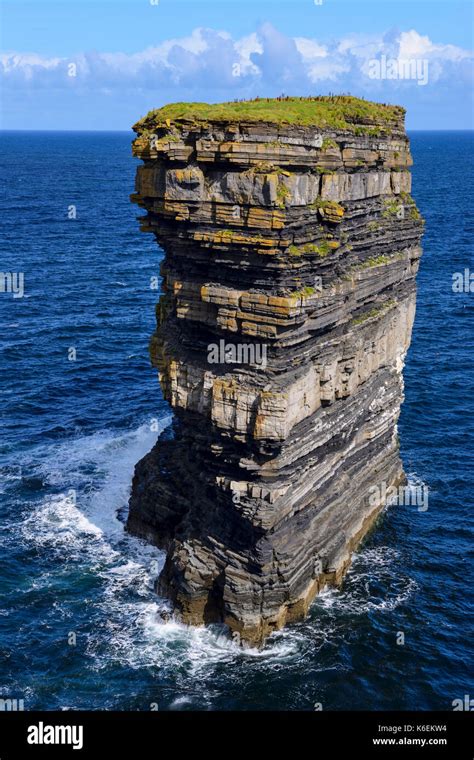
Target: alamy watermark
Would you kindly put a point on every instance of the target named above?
(11, 704)
(404, 495)
(399, 68)
(237, 353)
(463, 282)
(466, 704)
(12, 282)
(48, 734)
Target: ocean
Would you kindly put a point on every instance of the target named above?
(80, 404)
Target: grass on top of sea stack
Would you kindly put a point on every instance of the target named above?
(331, 111)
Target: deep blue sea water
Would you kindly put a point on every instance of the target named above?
(73, 430)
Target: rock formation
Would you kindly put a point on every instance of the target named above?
(291, 247)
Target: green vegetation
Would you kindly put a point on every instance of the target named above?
(330, 211)
(306, 291)
(327, 143)
(368, 314)
(392, 207)
(375, 312)
(266, 167)
(333, 111)
(282, 194)
(370, 131)
(322, 249)
(168, 138)
(333, 206)
(373, 226)
(295, 250)
(401, 203)
(375, 261)
(413, 212)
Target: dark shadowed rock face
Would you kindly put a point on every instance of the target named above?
(293, 248)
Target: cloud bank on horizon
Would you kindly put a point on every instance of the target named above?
(111, 90)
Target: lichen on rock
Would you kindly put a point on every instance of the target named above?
(288, 227)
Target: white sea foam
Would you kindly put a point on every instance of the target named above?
(372, 568)
(82, 526)
(87, 531)
(95, 472)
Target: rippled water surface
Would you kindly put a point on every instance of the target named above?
(73, 430)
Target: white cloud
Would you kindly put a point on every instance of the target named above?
(414, 45)
(310, 49)
(267, 58)
(244, 48)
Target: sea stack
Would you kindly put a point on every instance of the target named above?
(291, 245)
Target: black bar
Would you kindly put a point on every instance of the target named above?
(318, 734)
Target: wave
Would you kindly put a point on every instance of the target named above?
(96, 473)
(82, 527)
(375, 582)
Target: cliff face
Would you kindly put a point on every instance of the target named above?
(291, 244)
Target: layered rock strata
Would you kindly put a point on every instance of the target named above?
(292, 247)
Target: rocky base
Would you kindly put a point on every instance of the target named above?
(288, 302)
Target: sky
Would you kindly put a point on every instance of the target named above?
(102, 64)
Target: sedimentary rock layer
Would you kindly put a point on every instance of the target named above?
(292, 247)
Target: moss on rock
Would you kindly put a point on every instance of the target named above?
(340, 112)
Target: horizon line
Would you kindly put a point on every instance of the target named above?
(125, 131)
